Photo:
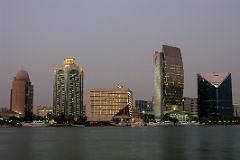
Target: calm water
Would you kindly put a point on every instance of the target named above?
(113, 143)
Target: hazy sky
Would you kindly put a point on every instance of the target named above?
(114, 41)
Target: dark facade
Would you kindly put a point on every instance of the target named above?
(143, 106)
(173, 76)
(214, 95)
(168, 80)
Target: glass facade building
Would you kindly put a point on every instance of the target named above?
(22, 94)
(168, 80)
(143, 106)
(214, 94)
(68, 89)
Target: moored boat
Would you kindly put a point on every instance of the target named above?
(166, 123)
(183, 123)
(153, 124)
(34, 124)
(138, 124)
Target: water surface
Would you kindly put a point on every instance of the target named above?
(117, 143)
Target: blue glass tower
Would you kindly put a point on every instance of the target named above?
(215, 94)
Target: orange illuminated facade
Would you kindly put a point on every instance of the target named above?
(22, 94)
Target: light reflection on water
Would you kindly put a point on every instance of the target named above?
(113, 143)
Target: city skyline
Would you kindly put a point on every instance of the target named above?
(116, 48)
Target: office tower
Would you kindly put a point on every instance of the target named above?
(168, 80)
(22, 94)
(68, 89)
(107, 104)
(190, 105)
(214, 94)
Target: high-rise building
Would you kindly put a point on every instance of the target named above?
(214, 94)
(68, 89)
(105, 104)
(22, 94)
(168, 80)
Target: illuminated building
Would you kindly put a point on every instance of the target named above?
(68, 89)
(44, 110)
(179, 115)
(22, 94)
(214, 94)
(107, 104)
(168, 81)
(8, 114)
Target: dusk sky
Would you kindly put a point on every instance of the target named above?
(114, 41)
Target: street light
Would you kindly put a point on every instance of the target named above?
(183, 104)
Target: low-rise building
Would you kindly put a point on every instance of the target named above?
(143, 106)
(236, 112)
(108, 104)
(6, 113)
(44, 110)
(190, 105)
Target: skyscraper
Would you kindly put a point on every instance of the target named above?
(214, 94)
(22, 94)
(68, 89)
(168, 80)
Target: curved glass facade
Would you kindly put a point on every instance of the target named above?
(168, 80)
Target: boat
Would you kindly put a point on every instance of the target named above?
(195, 123)
(138, 124)
(167, 123)
(153, 124)
(34, 124)
(183, 123)
(122, 124)
(77, 125)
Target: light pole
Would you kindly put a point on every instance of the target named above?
(183, 104)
